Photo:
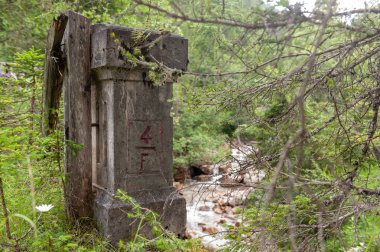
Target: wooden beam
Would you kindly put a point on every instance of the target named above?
(77, 99)
(53, 75)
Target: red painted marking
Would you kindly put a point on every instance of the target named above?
(146, 147)
(161, 132)
(142, 160)
(145, 135)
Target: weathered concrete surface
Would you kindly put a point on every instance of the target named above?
(115, 225)
(134, 131)
(169, 49)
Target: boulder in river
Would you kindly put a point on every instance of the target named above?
(182, 173)
(203, 178)
(210, 230)
(218, 209)
(204, 208)
(207, 169)
(225, 168)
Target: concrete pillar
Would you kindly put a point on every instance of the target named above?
(132, 128)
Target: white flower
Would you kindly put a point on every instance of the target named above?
(44, 208)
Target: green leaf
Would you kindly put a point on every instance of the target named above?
(27, 220)
(283, 3)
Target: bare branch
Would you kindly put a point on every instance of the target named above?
(226, 22)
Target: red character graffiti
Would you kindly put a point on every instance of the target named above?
(145, 137)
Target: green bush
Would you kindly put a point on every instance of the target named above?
(198, 138)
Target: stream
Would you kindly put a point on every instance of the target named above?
(213, 201)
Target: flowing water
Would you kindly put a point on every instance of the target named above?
(212, 205)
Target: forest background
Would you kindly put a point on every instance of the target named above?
(303, 86)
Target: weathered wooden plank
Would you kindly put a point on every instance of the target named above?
(77, 99)
(53, 75)
(94, 132)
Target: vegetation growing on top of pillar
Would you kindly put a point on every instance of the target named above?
(137, 55)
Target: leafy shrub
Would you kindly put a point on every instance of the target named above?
(198, 138)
